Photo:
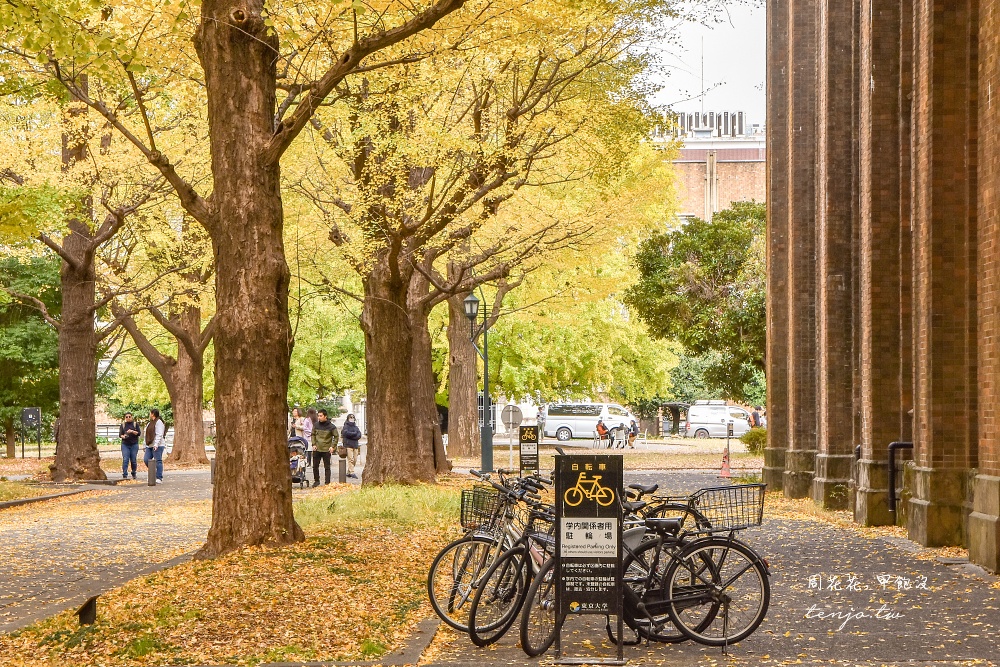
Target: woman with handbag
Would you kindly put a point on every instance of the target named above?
(352, 443)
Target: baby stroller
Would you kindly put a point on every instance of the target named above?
(297, 460)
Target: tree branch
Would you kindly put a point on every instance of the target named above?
(37, 304)
(286, 131)
(193, 203)
(157, 359)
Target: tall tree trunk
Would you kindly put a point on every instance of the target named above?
(252, 499)
(77, 457)
(393, 455)
(463, 384)
(430, 443)
(188, 396)
(10, 437)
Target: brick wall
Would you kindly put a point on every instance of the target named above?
(777, 240)
(989, 244)
(738, 181)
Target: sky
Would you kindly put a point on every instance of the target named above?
(734, 65)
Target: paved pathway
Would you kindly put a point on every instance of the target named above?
(58, 553)
(955, 618)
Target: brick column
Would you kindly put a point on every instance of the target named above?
(835, 234)
(882, 262)
(984, 522)
(802, 154)
(945, 108)
(777, 243)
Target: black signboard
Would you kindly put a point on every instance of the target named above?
(31, 417)
(528, 439)
(589, 537)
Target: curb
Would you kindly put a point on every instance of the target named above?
(102, 587)
(38, 499)
(408, 654)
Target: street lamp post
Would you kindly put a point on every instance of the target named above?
(486, 436)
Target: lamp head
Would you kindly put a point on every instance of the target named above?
(471, 307)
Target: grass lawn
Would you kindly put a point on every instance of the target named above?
(351, 591)
(18, 490)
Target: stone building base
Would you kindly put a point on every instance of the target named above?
(984, 523)
(936, 510)
(830, 484)
(799, 472)
(774, 468)
(871, 500)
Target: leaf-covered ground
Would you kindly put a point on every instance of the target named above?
(18, 490)
(352, 590)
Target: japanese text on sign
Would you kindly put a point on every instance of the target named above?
(588, 538)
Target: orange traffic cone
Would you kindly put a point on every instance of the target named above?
(724, 473)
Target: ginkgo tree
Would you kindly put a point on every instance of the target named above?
(420, 164)
(69, 189)
(226, 58)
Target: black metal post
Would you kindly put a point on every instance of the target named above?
(486, 437)
(893, 446)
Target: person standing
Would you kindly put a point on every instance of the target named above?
(298, 424)
(155, 443)
(129, 434)
(633, 433)
(352, 441)
(755, 421)
(308, 426)
(325, 439)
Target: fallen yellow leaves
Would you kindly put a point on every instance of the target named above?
(351, 591)
(18, 490)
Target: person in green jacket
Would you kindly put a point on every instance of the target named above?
(325, 438)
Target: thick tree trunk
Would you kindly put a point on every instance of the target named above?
(252, 499)
(463, 384)
(187, 397)
(77, 457)
(392, 443)
(427, 425)
(10, 437)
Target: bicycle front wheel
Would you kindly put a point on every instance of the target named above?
(719, 607)
(455, 574)
(499, 597)
(538, 620)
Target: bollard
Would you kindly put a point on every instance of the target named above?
(151, 472)
(211, 465)
(342, 473)
(88, 612)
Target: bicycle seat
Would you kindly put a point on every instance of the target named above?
(644, 489)
(670, 526)
(633, 506)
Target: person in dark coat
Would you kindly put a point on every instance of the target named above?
(325, 439)
(128, 432)
(352, 441)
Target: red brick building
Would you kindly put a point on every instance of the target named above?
(714, 168)
(883, 191)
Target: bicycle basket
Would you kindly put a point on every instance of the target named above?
(731, 507)
(481, 508)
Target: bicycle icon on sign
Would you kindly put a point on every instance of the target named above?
(590, 489)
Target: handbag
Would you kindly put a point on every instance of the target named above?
(342, 451)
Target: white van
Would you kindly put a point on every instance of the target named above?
(579, 420)
(710, 419)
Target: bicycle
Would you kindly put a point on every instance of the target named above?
(490, 518)
(504, 587)
(713, 589)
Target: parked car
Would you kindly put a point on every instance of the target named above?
(710, 419)
(579, 420)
